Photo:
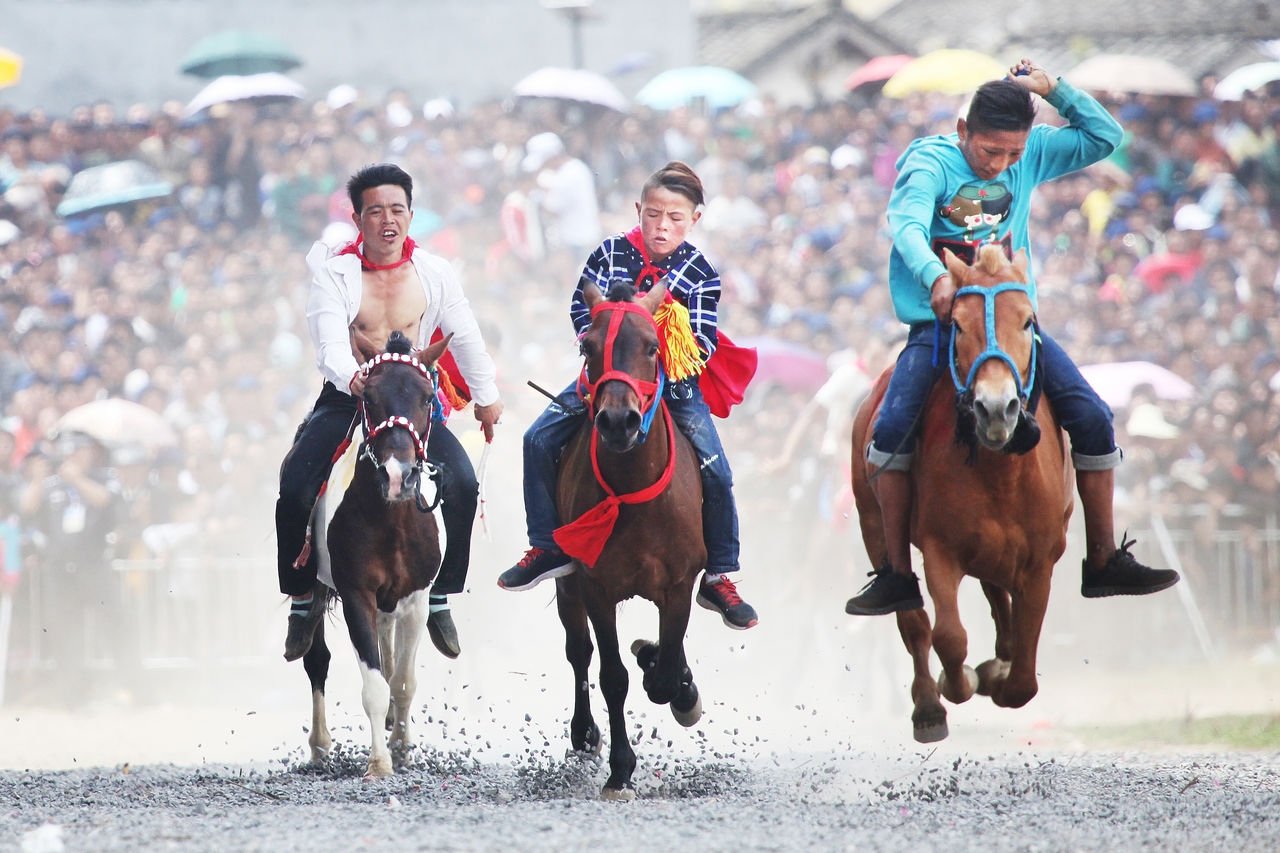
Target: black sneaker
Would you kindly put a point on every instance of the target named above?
(1124, 575)
(444, 636)
(303, 619)
(888, 592)
(534, 567)
(722, 597)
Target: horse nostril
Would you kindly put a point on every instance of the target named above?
(980, 408)
(632, 421)
(1011, 410)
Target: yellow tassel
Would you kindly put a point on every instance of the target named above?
(681, 355)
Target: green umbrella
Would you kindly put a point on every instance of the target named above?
(238, 52)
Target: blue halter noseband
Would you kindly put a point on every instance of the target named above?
(993, 350)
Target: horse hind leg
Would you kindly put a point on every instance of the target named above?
(994, 671)
(584, 735)
(410, 618)
(929, 718)
(386, 650)
(316, 663)
(613, 684)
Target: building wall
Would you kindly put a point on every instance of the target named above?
(129, 51)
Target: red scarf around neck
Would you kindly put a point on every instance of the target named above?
(365, 264)
(636, 238)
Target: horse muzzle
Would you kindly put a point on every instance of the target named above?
(618, 428)
(399, 482)
(996, 418)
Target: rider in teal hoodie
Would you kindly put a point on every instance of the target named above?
(959, 192)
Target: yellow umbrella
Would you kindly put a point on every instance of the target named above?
(949, 72)
(10, 68)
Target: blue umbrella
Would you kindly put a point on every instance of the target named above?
(719, 87)
(112, 184)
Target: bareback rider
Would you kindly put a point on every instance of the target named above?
(381, 284)
(654, 252)
(956, 192)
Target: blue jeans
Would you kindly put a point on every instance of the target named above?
(546, 438)
(1079, 409)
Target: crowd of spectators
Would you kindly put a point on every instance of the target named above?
(194, 305)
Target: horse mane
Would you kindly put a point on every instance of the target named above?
(992, 260)
(398, 343)
(621, 291)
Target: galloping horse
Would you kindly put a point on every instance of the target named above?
(383, 547)
(991, 500)
(655, 549)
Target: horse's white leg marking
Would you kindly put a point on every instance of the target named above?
(410, 618)
(320, 740)
(375, 695)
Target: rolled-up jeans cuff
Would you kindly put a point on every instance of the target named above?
(889, 461)
(1097, 463)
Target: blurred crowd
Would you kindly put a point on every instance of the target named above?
(193, 305)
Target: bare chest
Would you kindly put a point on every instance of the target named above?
(391, 301)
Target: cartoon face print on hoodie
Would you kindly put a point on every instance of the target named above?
(979, 209)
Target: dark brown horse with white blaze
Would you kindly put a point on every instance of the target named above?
(990, 502)
(384, 548)
(656, 548)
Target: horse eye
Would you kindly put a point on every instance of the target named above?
(653, 350)
(1027, 325)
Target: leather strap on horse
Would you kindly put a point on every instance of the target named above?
(585, 537)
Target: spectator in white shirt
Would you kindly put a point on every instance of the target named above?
(568, 194)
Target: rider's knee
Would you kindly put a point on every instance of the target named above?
(888, 460)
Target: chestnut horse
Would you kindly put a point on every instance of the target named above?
(383, 548)
(655, 550)
(990, 501)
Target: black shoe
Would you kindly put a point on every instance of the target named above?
(302, 628)
(1123, 575)
(888, 592)
(722, 597)
(443, 634)
(534, 567)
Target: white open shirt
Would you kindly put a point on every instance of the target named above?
(336, 286)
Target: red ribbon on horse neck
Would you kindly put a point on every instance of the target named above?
(406, 254)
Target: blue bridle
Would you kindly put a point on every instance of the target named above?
(993, 350)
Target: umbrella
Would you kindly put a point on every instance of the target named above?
(947, 71)
(719, 87)
(111, 184)
(10, 68)
(1115, 382)
(794, 367)
(262, 88)
(572, 84)
(238, 52)
(1122, 72)
(117, 422)
(1250, 78)
(879, 68)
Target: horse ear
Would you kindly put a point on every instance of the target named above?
(429, 356)
(1020, 264)
(591, 295)
(361, 347)
(652, 300)
(958, 268)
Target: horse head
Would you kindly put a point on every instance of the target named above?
(992, 352)
(397, 400)
(621, 351)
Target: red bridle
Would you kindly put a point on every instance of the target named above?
(646, 391)
(371, 432)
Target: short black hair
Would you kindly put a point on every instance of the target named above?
(377, 176)
(1001, 105)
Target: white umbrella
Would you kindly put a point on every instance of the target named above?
(116, 422)
(572, 84)
(1249, 78)
(257, 87)
(1122, 72)
(1115, 382)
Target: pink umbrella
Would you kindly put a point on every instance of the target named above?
(1115, 382)
(794, 367)
(879, 69)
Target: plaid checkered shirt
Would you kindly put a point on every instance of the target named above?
(691, 280)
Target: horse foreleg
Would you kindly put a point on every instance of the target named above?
(613, 684)
(957, 681)
(361, 613)
(316, 663)
(410, 618)
(992, 671)
(929, 719)
(1029, 605)
(583, 733)
(663, 675)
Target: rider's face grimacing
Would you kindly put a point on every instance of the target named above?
(992, 151)
(384, 218)
(666, 218)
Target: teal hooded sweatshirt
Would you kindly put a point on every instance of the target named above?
(939, 202)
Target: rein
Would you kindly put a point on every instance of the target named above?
(993, 350)
(419, 439)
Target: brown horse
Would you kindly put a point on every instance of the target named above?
(982, 507)
(655, 550)
(383, 549)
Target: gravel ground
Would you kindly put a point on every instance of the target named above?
(916, 801)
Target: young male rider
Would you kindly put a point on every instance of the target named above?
(381, 284)
(668, 208)
(956, 192)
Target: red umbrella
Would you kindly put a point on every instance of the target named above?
(1154, 269)
(794, 367)
(879, 69)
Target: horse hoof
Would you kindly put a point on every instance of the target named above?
(378, 768)
(931, 732)
(990, 672)
(319, 755)
(592, 743)
(618, 795)
(646, 653)
(690, 717)
(970, 686)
